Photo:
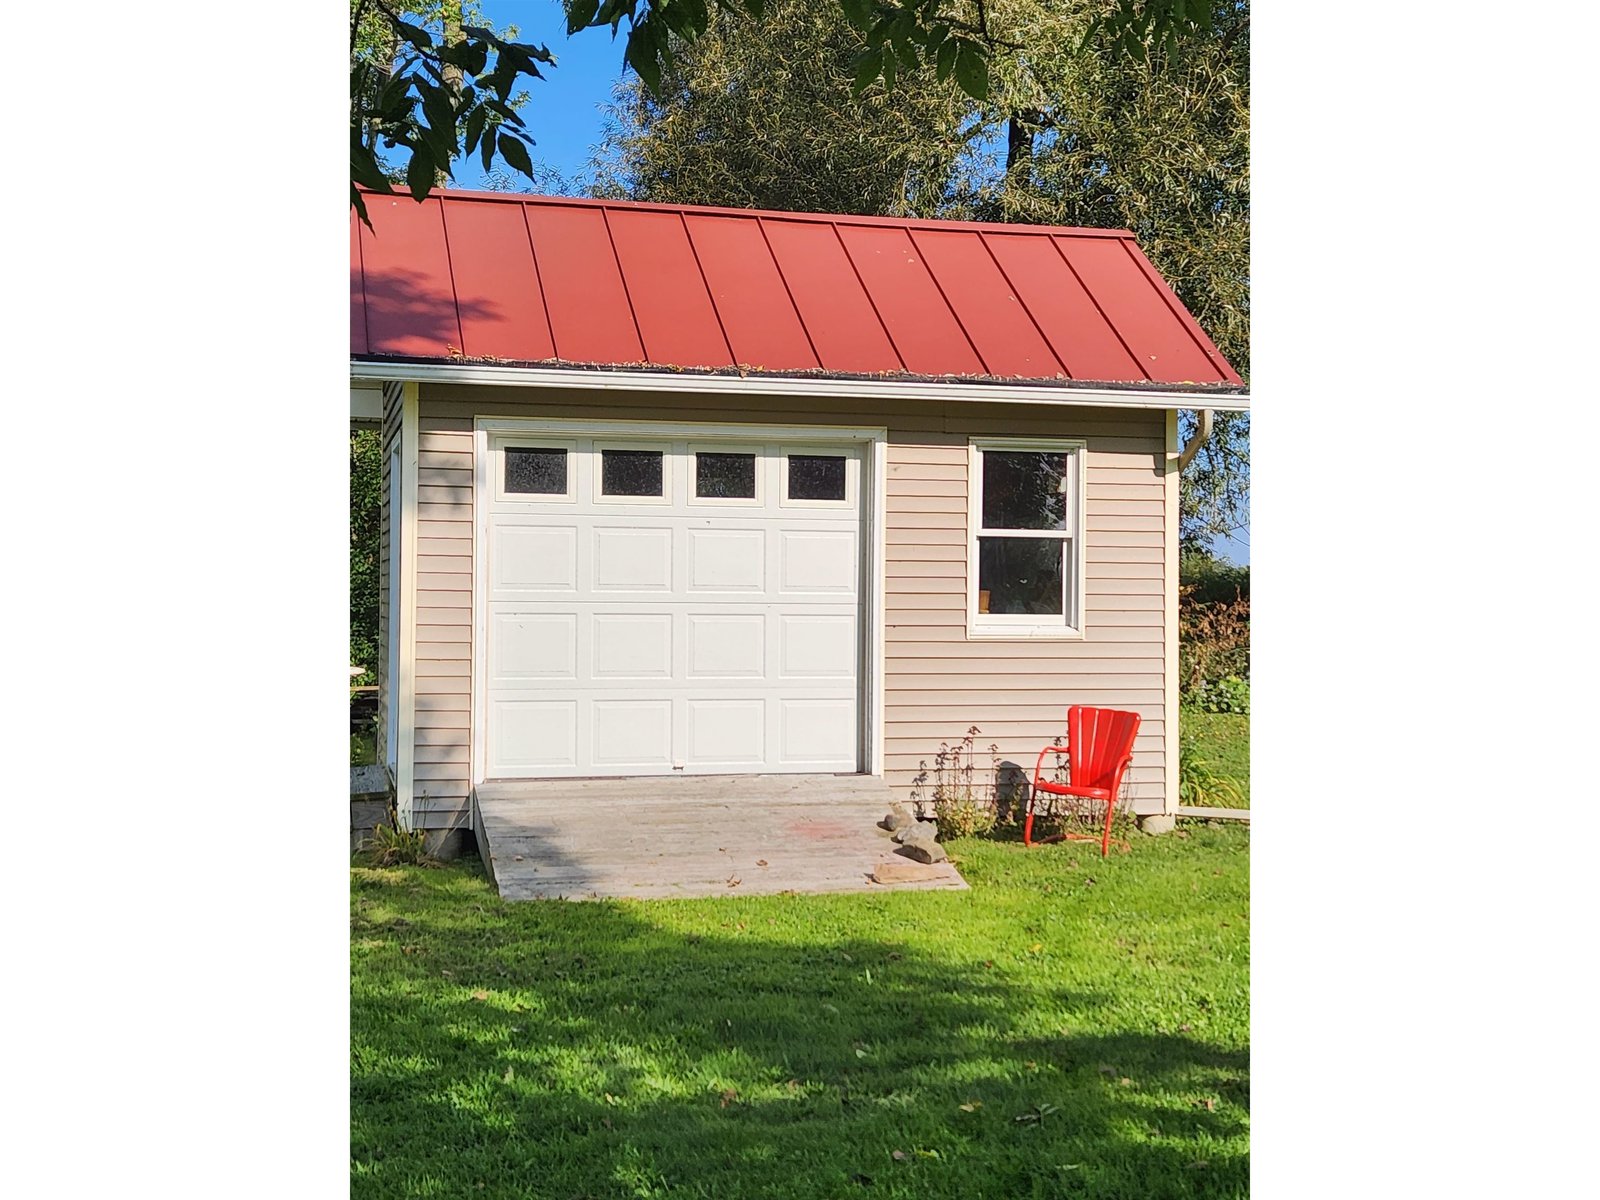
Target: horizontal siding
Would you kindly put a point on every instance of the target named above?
(937, 681)
(444, 623)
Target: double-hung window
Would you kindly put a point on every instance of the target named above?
(1025, 544)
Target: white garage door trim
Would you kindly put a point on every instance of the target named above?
(873, 499)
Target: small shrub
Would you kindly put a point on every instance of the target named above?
(1230, 694)
(1213, 641)
(392, 845)
(962, 806)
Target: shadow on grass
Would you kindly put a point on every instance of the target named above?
(586, 1050)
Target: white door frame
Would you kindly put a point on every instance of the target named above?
(874, 502)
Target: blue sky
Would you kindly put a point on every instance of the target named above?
(564, 113)
(564, 109)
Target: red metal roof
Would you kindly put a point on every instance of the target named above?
(535, 279)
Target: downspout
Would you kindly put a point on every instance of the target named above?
(1201, 433)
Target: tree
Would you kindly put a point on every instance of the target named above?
(766, 117)
(771, 114)
(427, 85)
(366, 540)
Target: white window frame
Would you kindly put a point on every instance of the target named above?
(1069, 626)
(668, 475)
(692, 469)
(852, 481)
(515, 443)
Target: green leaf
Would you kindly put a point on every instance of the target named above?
(470, 56)
(415, 34)
(677, 18)
(946, 58)
(869, 65)
(972, 70)
(641, 55)
(360, 205)
(475, 123)
(437, 107)
(394, 91)
(365, 170)
(420, 172)
(857, 12)
(504, 111)
(580, 14)
(516, 154)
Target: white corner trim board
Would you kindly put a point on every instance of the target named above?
(768, 385)
(1169, 607)
(406, 686)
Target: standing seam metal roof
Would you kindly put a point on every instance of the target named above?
(552, 280)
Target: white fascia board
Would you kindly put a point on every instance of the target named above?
(799, 386)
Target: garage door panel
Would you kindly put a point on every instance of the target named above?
(817, 734)
(727, 560)
(631, 646)
(726, 645)
(818, 560)
(534, 646)
(632, 559)
(532, 735)
(633, 734)
(816, 646)
(729, 732)
(528, 559)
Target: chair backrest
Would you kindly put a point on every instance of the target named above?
(1100, 739)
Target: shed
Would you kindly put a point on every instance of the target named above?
(681, 491)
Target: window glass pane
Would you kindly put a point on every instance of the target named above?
(725, 476)
(1020, 575)
(630, 472)
(532, 470)
(1025, 489)
(816, 477)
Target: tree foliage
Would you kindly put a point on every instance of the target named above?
(765, 116)
(430, 82)
(366, 539)
(776, 113)
(427, 85)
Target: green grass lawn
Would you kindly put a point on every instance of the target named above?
(1069, 1027)
(1223, 739)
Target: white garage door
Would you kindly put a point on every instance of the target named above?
(671, 606)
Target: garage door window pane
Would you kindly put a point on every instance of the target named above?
(1020, 575)
(536, 471)
(630, 472)
(1025, 490)
(725, 476)
(816, 477)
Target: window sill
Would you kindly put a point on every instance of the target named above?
(1023, 633)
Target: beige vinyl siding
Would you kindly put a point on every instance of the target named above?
(937, 682)
(442, 771)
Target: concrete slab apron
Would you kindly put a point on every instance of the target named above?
(733, 835)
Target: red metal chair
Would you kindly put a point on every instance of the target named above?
(1099, 748)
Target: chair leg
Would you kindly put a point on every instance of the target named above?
(1105, 840)
(1027, 825)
